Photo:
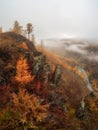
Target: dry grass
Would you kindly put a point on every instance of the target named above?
(73, 84)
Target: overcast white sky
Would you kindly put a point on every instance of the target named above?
(53, 18)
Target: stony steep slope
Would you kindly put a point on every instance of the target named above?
(51, 80)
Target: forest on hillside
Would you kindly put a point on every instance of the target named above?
(50, 85)
(41, 89)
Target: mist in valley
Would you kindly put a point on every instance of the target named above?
(84, 49)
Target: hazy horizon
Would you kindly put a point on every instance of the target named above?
(53, 18)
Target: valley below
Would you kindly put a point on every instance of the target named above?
(84, 53)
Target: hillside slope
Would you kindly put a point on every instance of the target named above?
(11, 37)
(72, 81)
(42, 90)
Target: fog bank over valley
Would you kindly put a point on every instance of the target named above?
(82, 48)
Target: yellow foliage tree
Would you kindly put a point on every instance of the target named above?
(23, 76)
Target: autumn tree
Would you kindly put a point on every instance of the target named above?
(23, 76)
(25, 112)
(29, 29)
(30, 106)
(17, 28)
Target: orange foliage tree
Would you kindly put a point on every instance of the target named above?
(25, 111)
(29, 106)
(23, 76)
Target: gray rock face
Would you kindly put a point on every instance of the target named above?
(80, 112)
(42, 70)
(46, 73)
(83, 110)
(57, 75)
(38, 63)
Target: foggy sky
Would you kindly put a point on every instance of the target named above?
(53, 18)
